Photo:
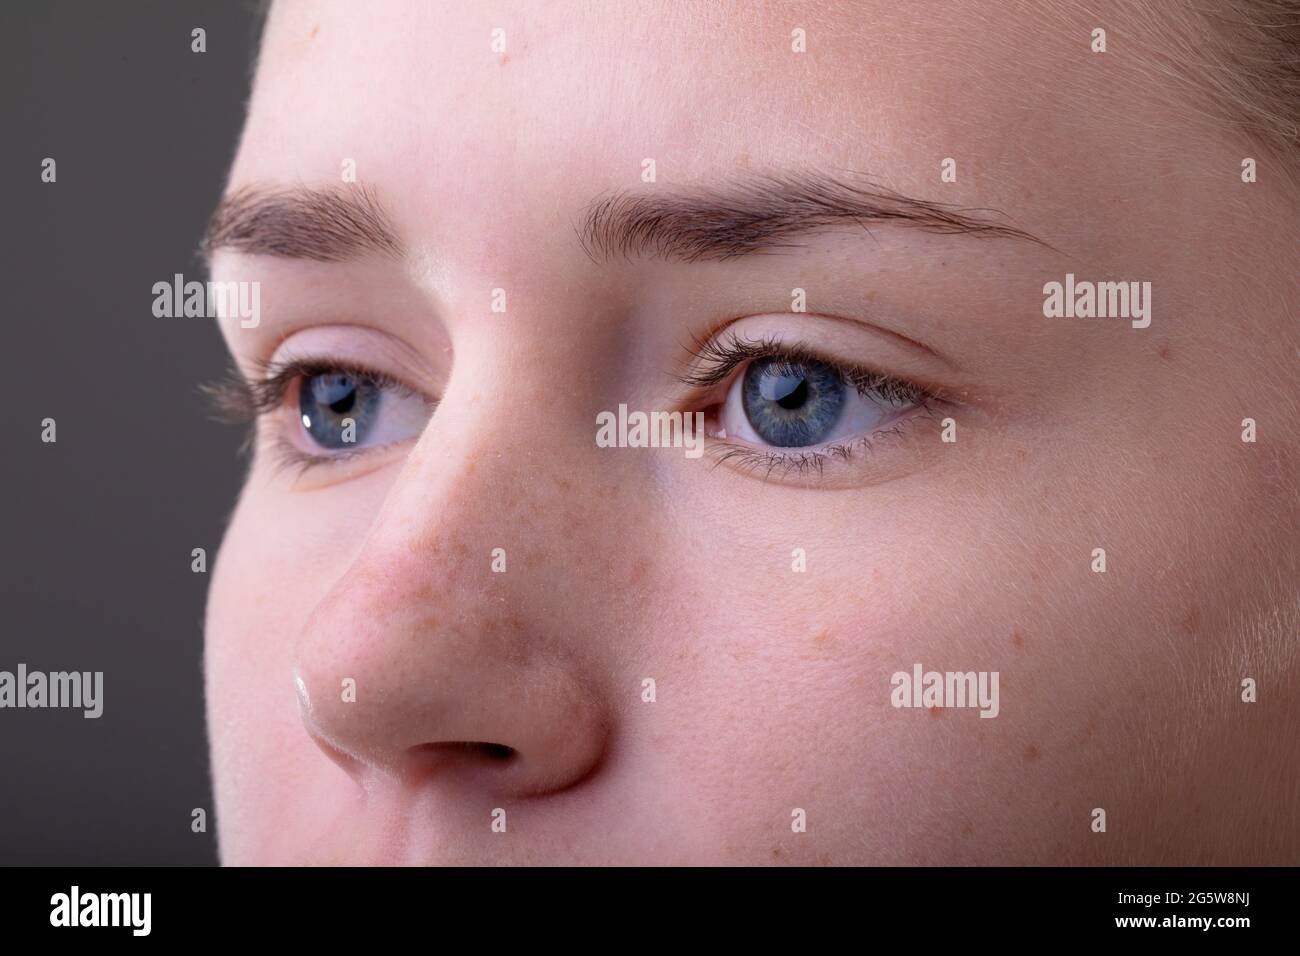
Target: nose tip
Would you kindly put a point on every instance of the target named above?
(389, 701)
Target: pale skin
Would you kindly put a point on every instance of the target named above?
(1119, 690)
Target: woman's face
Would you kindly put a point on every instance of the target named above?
(457, 611)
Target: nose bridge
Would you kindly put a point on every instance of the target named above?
(443, 634)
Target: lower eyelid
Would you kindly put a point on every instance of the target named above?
(865, 459)
(311, 471)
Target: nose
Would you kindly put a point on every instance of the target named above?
(423, 663)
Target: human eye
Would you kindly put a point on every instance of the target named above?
(783, 409)
(316, 411)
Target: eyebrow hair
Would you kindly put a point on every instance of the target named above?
(764, 213)
(302, 222)
(757, 214)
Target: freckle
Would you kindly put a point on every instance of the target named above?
(1031, 753)
(968, 829)
(1192, 620)
(314, 30)
(936, 711)
(871, 296)
(639, 572)
(825, 860)
(776, 851)
(1033, 576)
(743, 160)
(505, 58)
(1017, 639)
(516, 623)
(822, 638)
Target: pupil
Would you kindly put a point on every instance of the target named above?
(788, 391)
(328, 400)
(338, 392)
(345, 403)
(797, 397)
(793, 404)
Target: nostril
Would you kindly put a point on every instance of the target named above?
(494, 752)
(471, 751)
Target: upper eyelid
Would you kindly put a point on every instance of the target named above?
(277, 374)
(722, 354)
(240, 399)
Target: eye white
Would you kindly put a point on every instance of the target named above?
(862, 414)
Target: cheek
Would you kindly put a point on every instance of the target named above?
(789, 680)
(272, 785)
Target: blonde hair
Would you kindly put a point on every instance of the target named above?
(1241, 57)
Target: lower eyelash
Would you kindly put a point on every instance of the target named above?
(802, 462)
(286, 457)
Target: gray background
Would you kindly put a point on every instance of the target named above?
(98, 527)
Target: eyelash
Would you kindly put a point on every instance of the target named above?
(719, 357)
(238, 400)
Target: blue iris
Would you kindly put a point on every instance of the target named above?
(792, 404)
(325, 401)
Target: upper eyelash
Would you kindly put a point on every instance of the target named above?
(720, 356)
(239, 400)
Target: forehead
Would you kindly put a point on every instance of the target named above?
(583, 93)
(462, 137)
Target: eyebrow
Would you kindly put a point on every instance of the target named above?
(765, 213)
(302, 222)
(762, 213)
